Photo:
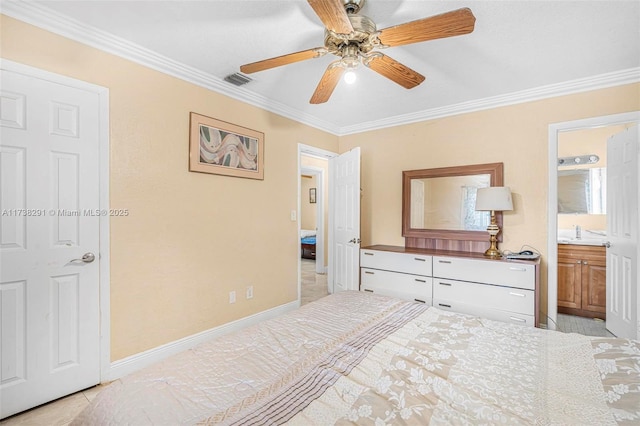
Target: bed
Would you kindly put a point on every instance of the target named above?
(308, 243)
(360, 358)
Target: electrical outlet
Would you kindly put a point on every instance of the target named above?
(294, 215)
(232, 296)
(250, 292)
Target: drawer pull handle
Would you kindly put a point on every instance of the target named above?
(418, 300)
(517, 319)
(369, 272)
(512, 268)
(419, 259)
(421, 281)
(444, 261)
(516, 294)
(447, 284)
(368, 254)
(370, 291)
(443, 305)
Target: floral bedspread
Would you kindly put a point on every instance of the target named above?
(358, 358)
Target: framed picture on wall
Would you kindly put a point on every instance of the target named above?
(222, 148)
(312, 195)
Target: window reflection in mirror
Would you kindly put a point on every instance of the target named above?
(582, 191)
(448, 203)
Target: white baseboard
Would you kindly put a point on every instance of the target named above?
(138, 361)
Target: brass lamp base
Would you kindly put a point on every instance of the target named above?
(493, 252)
(493, 231)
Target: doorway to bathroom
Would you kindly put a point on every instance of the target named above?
(584, 285)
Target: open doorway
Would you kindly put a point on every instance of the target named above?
(313, 207)
(578, 223)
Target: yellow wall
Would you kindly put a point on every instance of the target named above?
(190, 237)
(515, 135)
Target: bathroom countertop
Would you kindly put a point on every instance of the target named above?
(588, 238)
(583, 241)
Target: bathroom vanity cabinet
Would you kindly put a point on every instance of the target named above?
(582, 280)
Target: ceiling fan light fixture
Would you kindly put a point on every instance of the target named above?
(350, 56)
(350, 62)
(350, 76)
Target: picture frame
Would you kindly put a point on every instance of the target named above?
(222, 148)
(312, 195)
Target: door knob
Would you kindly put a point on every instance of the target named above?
(607, 244)
(355, 240)
(86, 258)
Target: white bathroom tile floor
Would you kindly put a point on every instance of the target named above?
(582, 325)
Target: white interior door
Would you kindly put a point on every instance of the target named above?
(49, 199)
(622, 231)
(344, 221)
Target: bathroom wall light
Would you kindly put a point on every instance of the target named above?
(578, 159)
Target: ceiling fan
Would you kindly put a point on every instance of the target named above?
(353, 39)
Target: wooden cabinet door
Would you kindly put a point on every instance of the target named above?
(569, 283)
(594, 279)
(582, 280)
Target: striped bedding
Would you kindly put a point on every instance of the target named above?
(359, 358)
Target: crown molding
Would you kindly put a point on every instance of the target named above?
(45, 18)
(50, 20)
(616, 78)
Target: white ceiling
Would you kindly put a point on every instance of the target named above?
(519, 50)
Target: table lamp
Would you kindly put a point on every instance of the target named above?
(493, 198)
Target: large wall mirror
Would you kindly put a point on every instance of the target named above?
(440, 203)
(582, 191)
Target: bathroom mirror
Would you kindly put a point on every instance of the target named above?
(440, 203)
(582, 191)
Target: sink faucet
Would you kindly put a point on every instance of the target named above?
(578, 232)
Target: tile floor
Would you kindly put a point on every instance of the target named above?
(581, 325)
(56, 413)
(314, 286)
(62, 411)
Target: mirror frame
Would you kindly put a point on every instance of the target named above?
(496, 172)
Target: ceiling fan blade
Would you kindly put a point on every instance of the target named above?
(456, 22)
(332, 15)
(395, 71)
(282, 60)
(327, 84)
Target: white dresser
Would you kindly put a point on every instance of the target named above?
(403, 275)
(456, 281)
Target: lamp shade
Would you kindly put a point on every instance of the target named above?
(497, 198)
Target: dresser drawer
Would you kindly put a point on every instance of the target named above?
(484, 312)
(509, 274)
(489, 296)
(400, 262)
(403, 286)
